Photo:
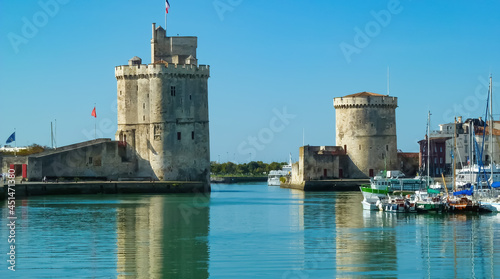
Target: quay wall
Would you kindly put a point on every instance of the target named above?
(327, 185)
(114, 187)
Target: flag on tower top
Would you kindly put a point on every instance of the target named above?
(167, 6)
(11, 138)
(94, 113)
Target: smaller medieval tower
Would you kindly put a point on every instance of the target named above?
(163, 111)
(366, 129)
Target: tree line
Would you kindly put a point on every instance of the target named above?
(254, 168)
(32, 149)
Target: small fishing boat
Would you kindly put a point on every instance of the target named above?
(425, 202)
(397, 204)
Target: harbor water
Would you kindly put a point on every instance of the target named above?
(243, 231)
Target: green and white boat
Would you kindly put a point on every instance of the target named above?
(381, 186)
(429, 200)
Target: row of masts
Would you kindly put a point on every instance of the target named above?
(471, 156)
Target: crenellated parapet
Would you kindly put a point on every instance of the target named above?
(160, 70)
(365, 102)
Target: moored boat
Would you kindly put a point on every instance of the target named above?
(425, 202)
(274, 176)
(397, 204)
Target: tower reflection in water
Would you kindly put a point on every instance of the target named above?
(162, 237)
(337, 239)
(365, 246)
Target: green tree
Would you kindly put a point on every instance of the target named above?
(273, 166)
(242, 169)
(252, 166)
(215, 167)
(229, 168)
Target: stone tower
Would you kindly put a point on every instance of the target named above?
(163, 111)
(366, 128)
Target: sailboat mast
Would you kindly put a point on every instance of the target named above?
(428, 144)
(454, 150)
(491, 130)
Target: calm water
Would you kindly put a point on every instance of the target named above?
(244, 231)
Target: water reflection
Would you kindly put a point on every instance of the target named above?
(163, 237)
(366, 247)
(341, 238)
(246, 231)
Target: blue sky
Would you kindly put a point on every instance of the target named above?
(267, 58)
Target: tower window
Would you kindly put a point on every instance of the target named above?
(144, 105)
(386, 147)
(144, 118)
(157, 131)
(172, 90)
(360, 147)
(189, 97)
(90, 160)
(192, 135)
(178, 135)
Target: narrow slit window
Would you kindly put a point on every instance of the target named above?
(178, 135)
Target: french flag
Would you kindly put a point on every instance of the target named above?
(167, 6)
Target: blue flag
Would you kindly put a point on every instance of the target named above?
(11, 138)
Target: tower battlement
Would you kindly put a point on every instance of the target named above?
(363, 101)
(152, 70)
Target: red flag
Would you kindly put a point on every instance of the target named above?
(167, 5)
(93, 113)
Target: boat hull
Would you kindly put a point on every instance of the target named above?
(370, 204)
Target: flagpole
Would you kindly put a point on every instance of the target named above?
(15, 149)
(95, 122)
(165, 21)
(55, 133)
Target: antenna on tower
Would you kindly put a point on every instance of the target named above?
(387, 80)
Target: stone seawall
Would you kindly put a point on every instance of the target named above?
(328, 185)
(238, 179)
(114, 187)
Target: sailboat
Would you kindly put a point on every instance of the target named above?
(490, 199)
(428, 199)
(474, 180)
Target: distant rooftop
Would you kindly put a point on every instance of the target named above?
(365, 94)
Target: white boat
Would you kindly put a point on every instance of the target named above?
(370, 203)
(397, 204)
(473, 173)
(492, 204)
(273, 179)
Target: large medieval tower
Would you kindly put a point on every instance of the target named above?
(366, 129)
(163, 111)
